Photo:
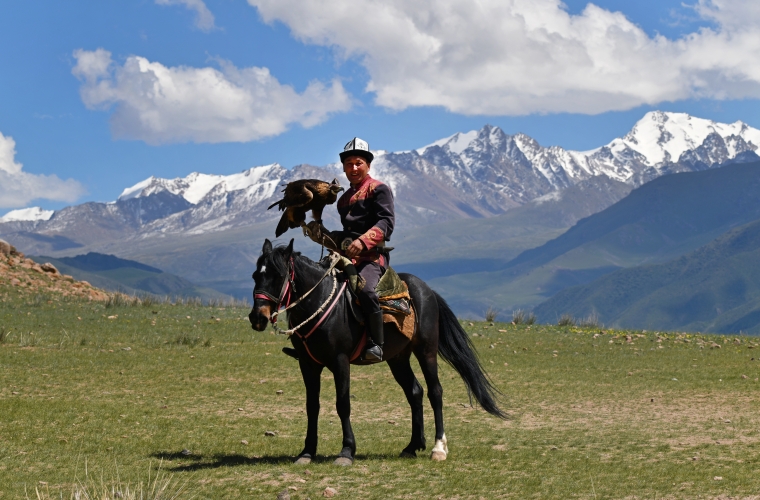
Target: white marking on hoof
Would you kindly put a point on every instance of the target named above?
(303, 461)
(440, 450)
(343, 461)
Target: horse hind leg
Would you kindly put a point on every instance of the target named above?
(429, 366)
(402, 372)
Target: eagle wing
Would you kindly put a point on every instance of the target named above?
(296, 194)
(299, 193)
(300, 197)
(322, 197)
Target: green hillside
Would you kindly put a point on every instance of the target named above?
(715, 288)
(121, 275)
(484, 245)
(668, 217)
(662, 218)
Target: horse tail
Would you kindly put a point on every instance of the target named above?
(456, 348)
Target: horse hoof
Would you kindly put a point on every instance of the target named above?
(303, 461)
(440, 450)
(406, 454)
(343, 461)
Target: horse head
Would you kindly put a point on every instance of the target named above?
(270, 279)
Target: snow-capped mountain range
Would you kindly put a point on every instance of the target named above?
(475, 174)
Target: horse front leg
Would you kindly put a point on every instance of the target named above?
(342, 375)
(311, 374)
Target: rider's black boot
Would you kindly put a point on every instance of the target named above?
(374, 351)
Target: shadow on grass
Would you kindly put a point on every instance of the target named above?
(202, 462)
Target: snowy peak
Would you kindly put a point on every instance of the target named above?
(27, 214)
(479, 173)
(196, 186)
(455, 144)
(498, 169)
(663, 137)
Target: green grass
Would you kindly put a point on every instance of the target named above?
(100, 403)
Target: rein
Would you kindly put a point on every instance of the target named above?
(288, 290)
(321, 308)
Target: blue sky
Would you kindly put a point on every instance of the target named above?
(246, 83)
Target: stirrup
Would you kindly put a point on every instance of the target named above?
(373, 354)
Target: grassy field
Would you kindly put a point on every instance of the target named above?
(97, 399)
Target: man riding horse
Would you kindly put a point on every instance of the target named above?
(325, 334)
(367, 215)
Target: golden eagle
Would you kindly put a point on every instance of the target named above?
(300, 197)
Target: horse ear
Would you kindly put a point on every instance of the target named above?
(289, 250)
(267, 248)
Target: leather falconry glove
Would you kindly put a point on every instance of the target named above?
(318, 233)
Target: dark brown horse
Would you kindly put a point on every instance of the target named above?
(333, 334)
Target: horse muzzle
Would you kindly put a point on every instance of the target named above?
(259, 317)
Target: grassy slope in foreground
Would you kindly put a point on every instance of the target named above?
(115, 392)
(715, 288)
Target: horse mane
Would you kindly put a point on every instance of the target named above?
(279, 262)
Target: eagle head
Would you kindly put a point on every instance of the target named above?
(335, 187)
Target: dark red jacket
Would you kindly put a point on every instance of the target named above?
(367, 209)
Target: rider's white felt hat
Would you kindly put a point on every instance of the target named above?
(357, 147)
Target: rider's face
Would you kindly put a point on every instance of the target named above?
(356, 169)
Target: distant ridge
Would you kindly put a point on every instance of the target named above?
(663, 213)
(93, 261)
(663, 219)
(128, 276)
(209, 228)
(713, 289)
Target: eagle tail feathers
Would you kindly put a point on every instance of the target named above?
(278, 202)
(282, 226)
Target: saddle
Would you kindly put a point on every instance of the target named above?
(391, 289)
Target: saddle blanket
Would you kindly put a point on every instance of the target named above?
(403, 322)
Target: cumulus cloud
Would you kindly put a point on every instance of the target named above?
(160, 104)
(18, 188)
(514, 57)
(204, 19)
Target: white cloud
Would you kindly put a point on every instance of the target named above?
(730, 14)
(513, 57)
(18, 188)
(204, 19)
(160, 104)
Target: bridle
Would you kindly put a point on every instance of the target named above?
(288, 291)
